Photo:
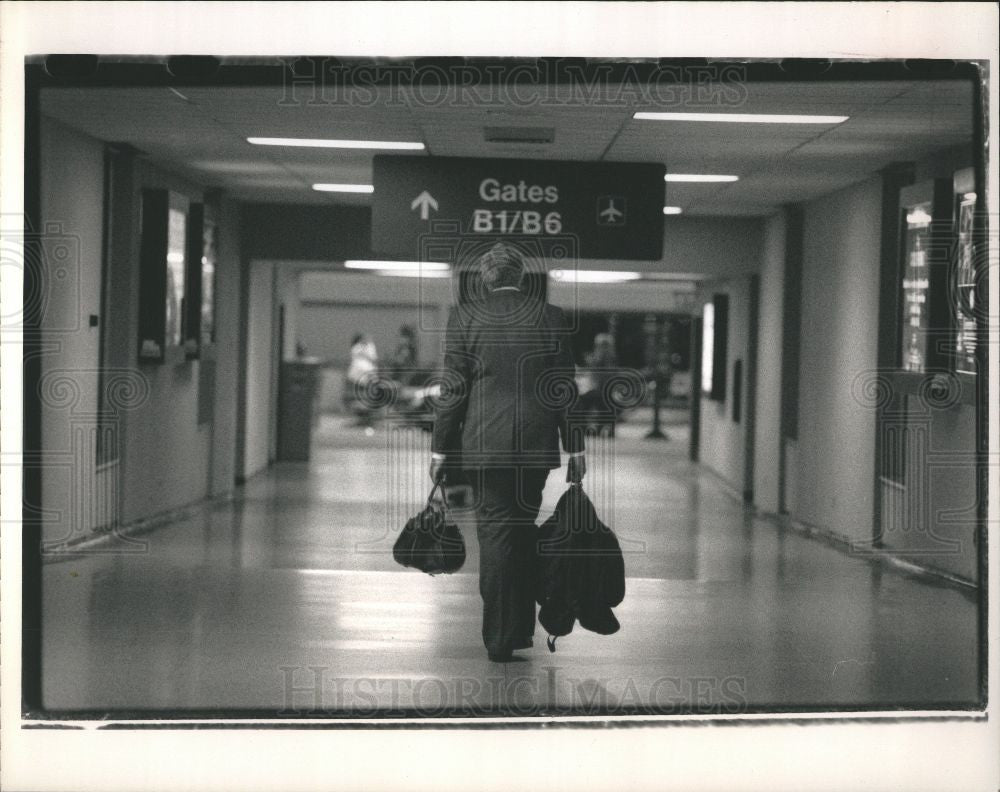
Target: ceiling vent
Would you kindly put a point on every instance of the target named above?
(534, 136)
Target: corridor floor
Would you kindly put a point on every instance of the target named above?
(287, 599)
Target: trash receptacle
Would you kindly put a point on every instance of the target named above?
(296, 402)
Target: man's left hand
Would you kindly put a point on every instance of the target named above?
(437, 470)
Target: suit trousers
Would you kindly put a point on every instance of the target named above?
(507, 504)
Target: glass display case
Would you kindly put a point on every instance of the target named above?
(964, 278)
(916, 281)
(925, 236)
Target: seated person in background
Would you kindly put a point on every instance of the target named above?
(360, 372)
(603, 355)
(600, 368)
(409, 381)
(404, 359)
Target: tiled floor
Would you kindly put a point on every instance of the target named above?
(288, 598)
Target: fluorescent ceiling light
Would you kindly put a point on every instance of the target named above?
(699, 177)
(592, 276)
(346, 188)
(393, 273)
(398, 266)
(672, 210)
(742, 118)
(344, 144)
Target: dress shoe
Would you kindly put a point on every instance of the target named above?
(500, 657)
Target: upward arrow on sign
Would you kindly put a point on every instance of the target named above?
(426, 202)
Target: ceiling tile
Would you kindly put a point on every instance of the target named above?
(203, 131)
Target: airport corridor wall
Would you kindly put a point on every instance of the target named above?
(723, 431)
(825, 480)
(164, 452)
(831, 464)
(77, 496)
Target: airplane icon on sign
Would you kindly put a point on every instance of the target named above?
(608, 212)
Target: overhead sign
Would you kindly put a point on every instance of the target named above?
(609, 210)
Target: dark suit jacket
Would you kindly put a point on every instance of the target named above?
(508, 381)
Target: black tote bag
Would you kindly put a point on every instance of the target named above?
(431, 541)
(580, 569)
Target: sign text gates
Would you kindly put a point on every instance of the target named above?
(613, 210)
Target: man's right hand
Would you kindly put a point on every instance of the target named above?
(437, 470)
(577, 469)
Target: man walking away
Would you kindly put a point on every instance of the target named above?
(510, 380)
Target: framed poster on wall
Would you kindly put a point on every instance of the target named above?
(963, 291)
(707, 341)
(176, 274)
(208, 261)
(200, 303)
(714, 347)
(163, 274)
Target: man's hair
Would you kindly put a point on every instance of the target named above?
(500, 266)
